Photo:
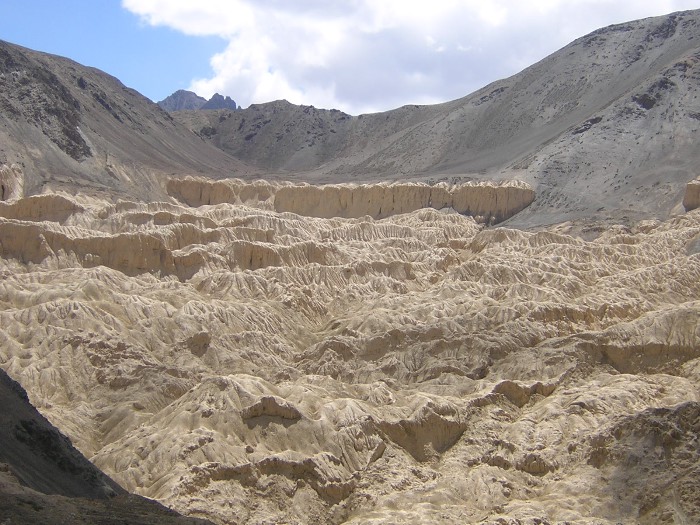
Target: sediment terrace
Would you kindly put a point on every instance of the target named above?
(486, 202)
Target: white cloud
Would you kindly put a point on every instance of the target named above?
(373, 55)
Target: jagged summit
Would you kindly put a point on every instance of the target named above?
(183, 100)
(219, 102)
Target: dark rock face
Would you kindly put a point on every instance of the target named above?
(37, 95)
(40, 456)
(45, 479)
(219, 102)
(182, 100)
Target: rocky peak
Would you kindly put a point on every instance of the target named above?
(220, 102)
(182, 100)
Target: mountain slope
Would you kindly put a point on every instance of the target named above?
(41, 458)
(70, 127)
(609, 121)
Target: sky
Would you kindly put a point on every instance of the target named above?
(359, 56)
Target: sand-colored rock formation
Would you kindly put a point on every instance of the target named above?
(259, 352)
(255, 366)
(691, 198)
(487, 202)
(11, 182)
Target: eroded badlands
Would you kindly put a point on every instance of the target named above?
(251, 365)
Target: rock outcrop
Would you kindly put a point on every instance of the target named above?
(11, 182)
(219, 102)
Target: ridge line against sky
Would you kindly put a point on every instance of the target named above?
(358, 56)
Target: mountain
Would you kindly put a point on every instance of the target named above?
(606, 127)
(182, 100)
(602, 129)
(43, 478)
(219, 102)
(68, 127)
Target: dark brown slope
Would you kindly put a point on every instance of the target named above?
(74, 128)
(44, 479)
(40, 457)
(607, 127)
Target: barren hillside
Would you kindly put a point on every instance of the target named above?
(606, 128)
(64, 126)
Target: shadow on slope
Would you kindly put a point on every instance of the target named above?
(44, 479)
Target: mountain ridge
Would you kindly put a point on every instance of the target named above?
(521, 127)
(558, 125)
